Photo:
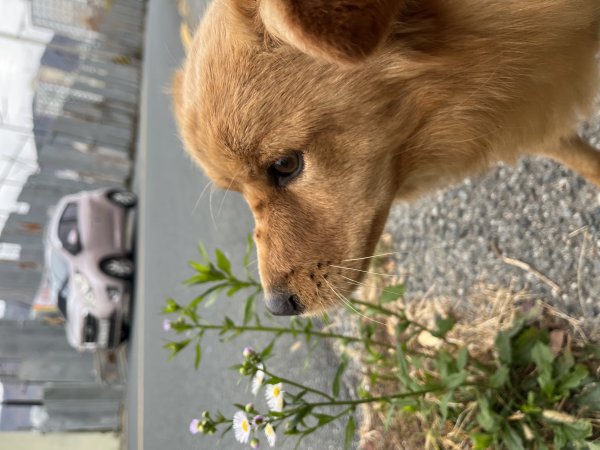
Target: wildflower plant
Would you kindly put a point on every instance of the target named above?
(526, 392)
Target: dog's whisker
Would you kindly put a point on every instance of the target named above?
(347, 302)
(373, 256)
(225, 196)
(363, 271)
(359, 283)
(200, 196)
(210, 208)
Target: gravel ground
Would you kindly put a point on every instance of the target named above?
(537, 212)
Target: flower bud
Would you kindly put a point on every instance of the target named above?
(205, 415)
(248, 352)
(249, 407)
(254, 443)
(258, 420)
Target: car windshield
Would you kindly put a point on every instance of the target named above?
(58, 272)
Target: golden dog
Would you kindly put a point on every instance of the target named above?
(322, 112)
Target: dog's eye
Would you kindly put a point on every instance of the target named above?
(287, 168)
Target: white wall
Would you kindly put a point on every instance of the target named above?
(59, 441)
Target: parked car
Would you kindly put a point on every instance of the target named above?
(90, 267)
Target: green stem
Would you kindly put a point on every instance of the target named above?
(298, 385)
(384, 398)
(290, 331)
(381, 309)
(389, 312)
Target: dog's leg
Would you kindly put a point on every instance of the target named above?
(578, 155)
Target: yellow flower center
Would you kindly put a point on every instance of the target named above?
(245, 426)
(276, 391)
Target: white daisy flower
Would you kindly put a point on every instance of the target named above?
(241, 427)
(270, 433)
(274, 394)
(258, 379)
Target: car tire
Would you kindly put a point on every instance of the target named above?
(121, 267)
(125, 332)
(124, 199)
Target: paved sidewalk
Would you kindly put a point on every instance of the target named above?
(165, 395)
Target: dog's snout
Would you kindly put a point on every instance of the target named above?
(283, 304)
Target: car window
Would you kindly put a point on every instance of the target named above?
(58, 272)
(63, 295)
(68, 225)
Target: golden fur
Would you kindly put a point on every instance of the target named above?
(386, 99)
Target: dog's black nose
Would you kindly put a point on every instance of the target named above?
(283, 304)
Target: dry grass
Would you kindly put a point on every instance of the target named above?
(490, 310)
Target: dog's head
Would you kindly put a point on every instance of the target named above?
(283, 102)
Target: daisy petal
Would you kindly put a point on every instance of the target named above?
(271, 436)
(274, 395)
(241, 427)
(259, 378)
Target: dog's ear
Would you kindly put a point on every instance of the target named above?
(341, 31)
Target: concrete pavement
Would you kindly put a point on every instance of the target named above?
(164, 396)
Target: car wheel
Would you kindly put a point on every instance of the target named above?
(124, 199)
(125, 331)
(118, 267)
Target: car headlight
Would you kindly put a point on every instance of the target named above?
(85, 289)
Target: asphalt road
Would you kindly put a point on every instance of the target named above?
(164, 396)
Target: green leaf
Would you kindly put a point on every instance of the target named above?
(249, 247)
(564, 363)
(500, 377)
(543, 358)
(503, 347)
(481, 441)
(267, 350)
(589, 397)
(234, 289)
(488, 420)
(203, 252)
(212, 297)
(324, 419)
(176, 347)
(455, 380)
(392, 293)
(335, 388)
(222, 262)
(573, 379)
(443, 326)
(172, 306)
(198, 355)
(581, 429)
(593, 445)
(299, 417)
(200, 268)
(524, 343)
(350, 427)
(511, 439)
(206, 277)
(389, 416)
(444, 405)
(180, 325)
(249, 310)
